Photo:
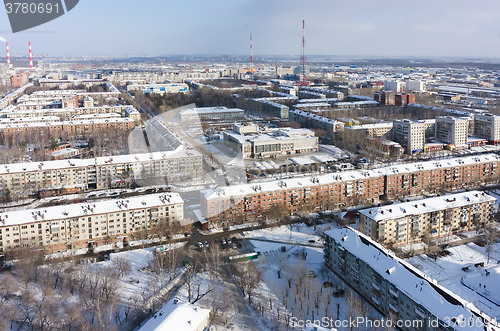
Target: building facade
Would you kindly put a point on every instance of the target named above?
(86, 224)
(452, 130)
(487, 126)
(410, 134)
(212, 114)
(247, 201)
(311, 120)
(75, 175)
(395, 288)
(402, 223)
(252, 142)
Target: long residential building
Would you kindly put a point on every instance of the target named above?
(73, 127)
(401, 292)
(440, 216)
(85, 224)
(334, 190)
(74, 175)
(312, 120)
(375, 130)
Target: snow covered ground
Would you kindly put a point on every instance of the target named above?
(448, 272)
(299, 233)
(301, 283)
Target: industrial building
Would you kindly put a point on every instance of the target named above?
(397, 289)
(252, 142)
(410, 134)
(452, 130)
(88, 224)
(440, 216)
(75, 175)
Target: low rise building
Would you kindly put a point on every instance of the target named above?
(311, 120)
(402, 223)
(85, 224)
(75, 175)
(397, 289)
(179, 316)
(255, 143)
(376, 129)
(212, 114)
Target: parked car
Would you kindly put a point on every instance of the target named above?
(206, 244)
(199, 244)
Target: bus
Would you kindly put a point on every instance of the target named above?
(243, 257)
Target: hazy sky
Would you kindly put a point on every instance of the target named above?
(357, 27)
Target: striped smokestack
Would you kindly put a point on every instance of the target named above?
(31, 58)
(8, 56)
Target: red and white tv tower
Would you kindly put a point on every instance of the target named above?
(31, 58)
(303, 81)
(252, 82)
(8, 56)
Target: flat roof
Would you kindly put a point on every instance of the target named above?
(88, 209)
(417, 207)
(178, 316)
(98, 161)
(418, 286)
(341, 177)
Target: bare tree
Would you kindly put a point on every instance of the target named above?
(122, 265)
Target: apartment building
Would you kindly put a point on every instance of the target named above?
(385, 98)
(410, 134)
(72, 127)
(375, 129)
(452, 130)
(74, 175)
(66, 114)
(440, 216)
(487, 126)
(85, 224)
(247, 201)
(315, 121)
(397, 289)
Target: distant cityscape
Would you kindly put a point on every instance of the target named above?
(210, 193)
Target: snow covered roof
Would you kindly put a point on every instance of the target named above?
(99, 161)
(372, 126)
(177, 316)
(71, 122)
(423, 206)
(210, 110)
(88, 209)
(414, 283)
(348, 176)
